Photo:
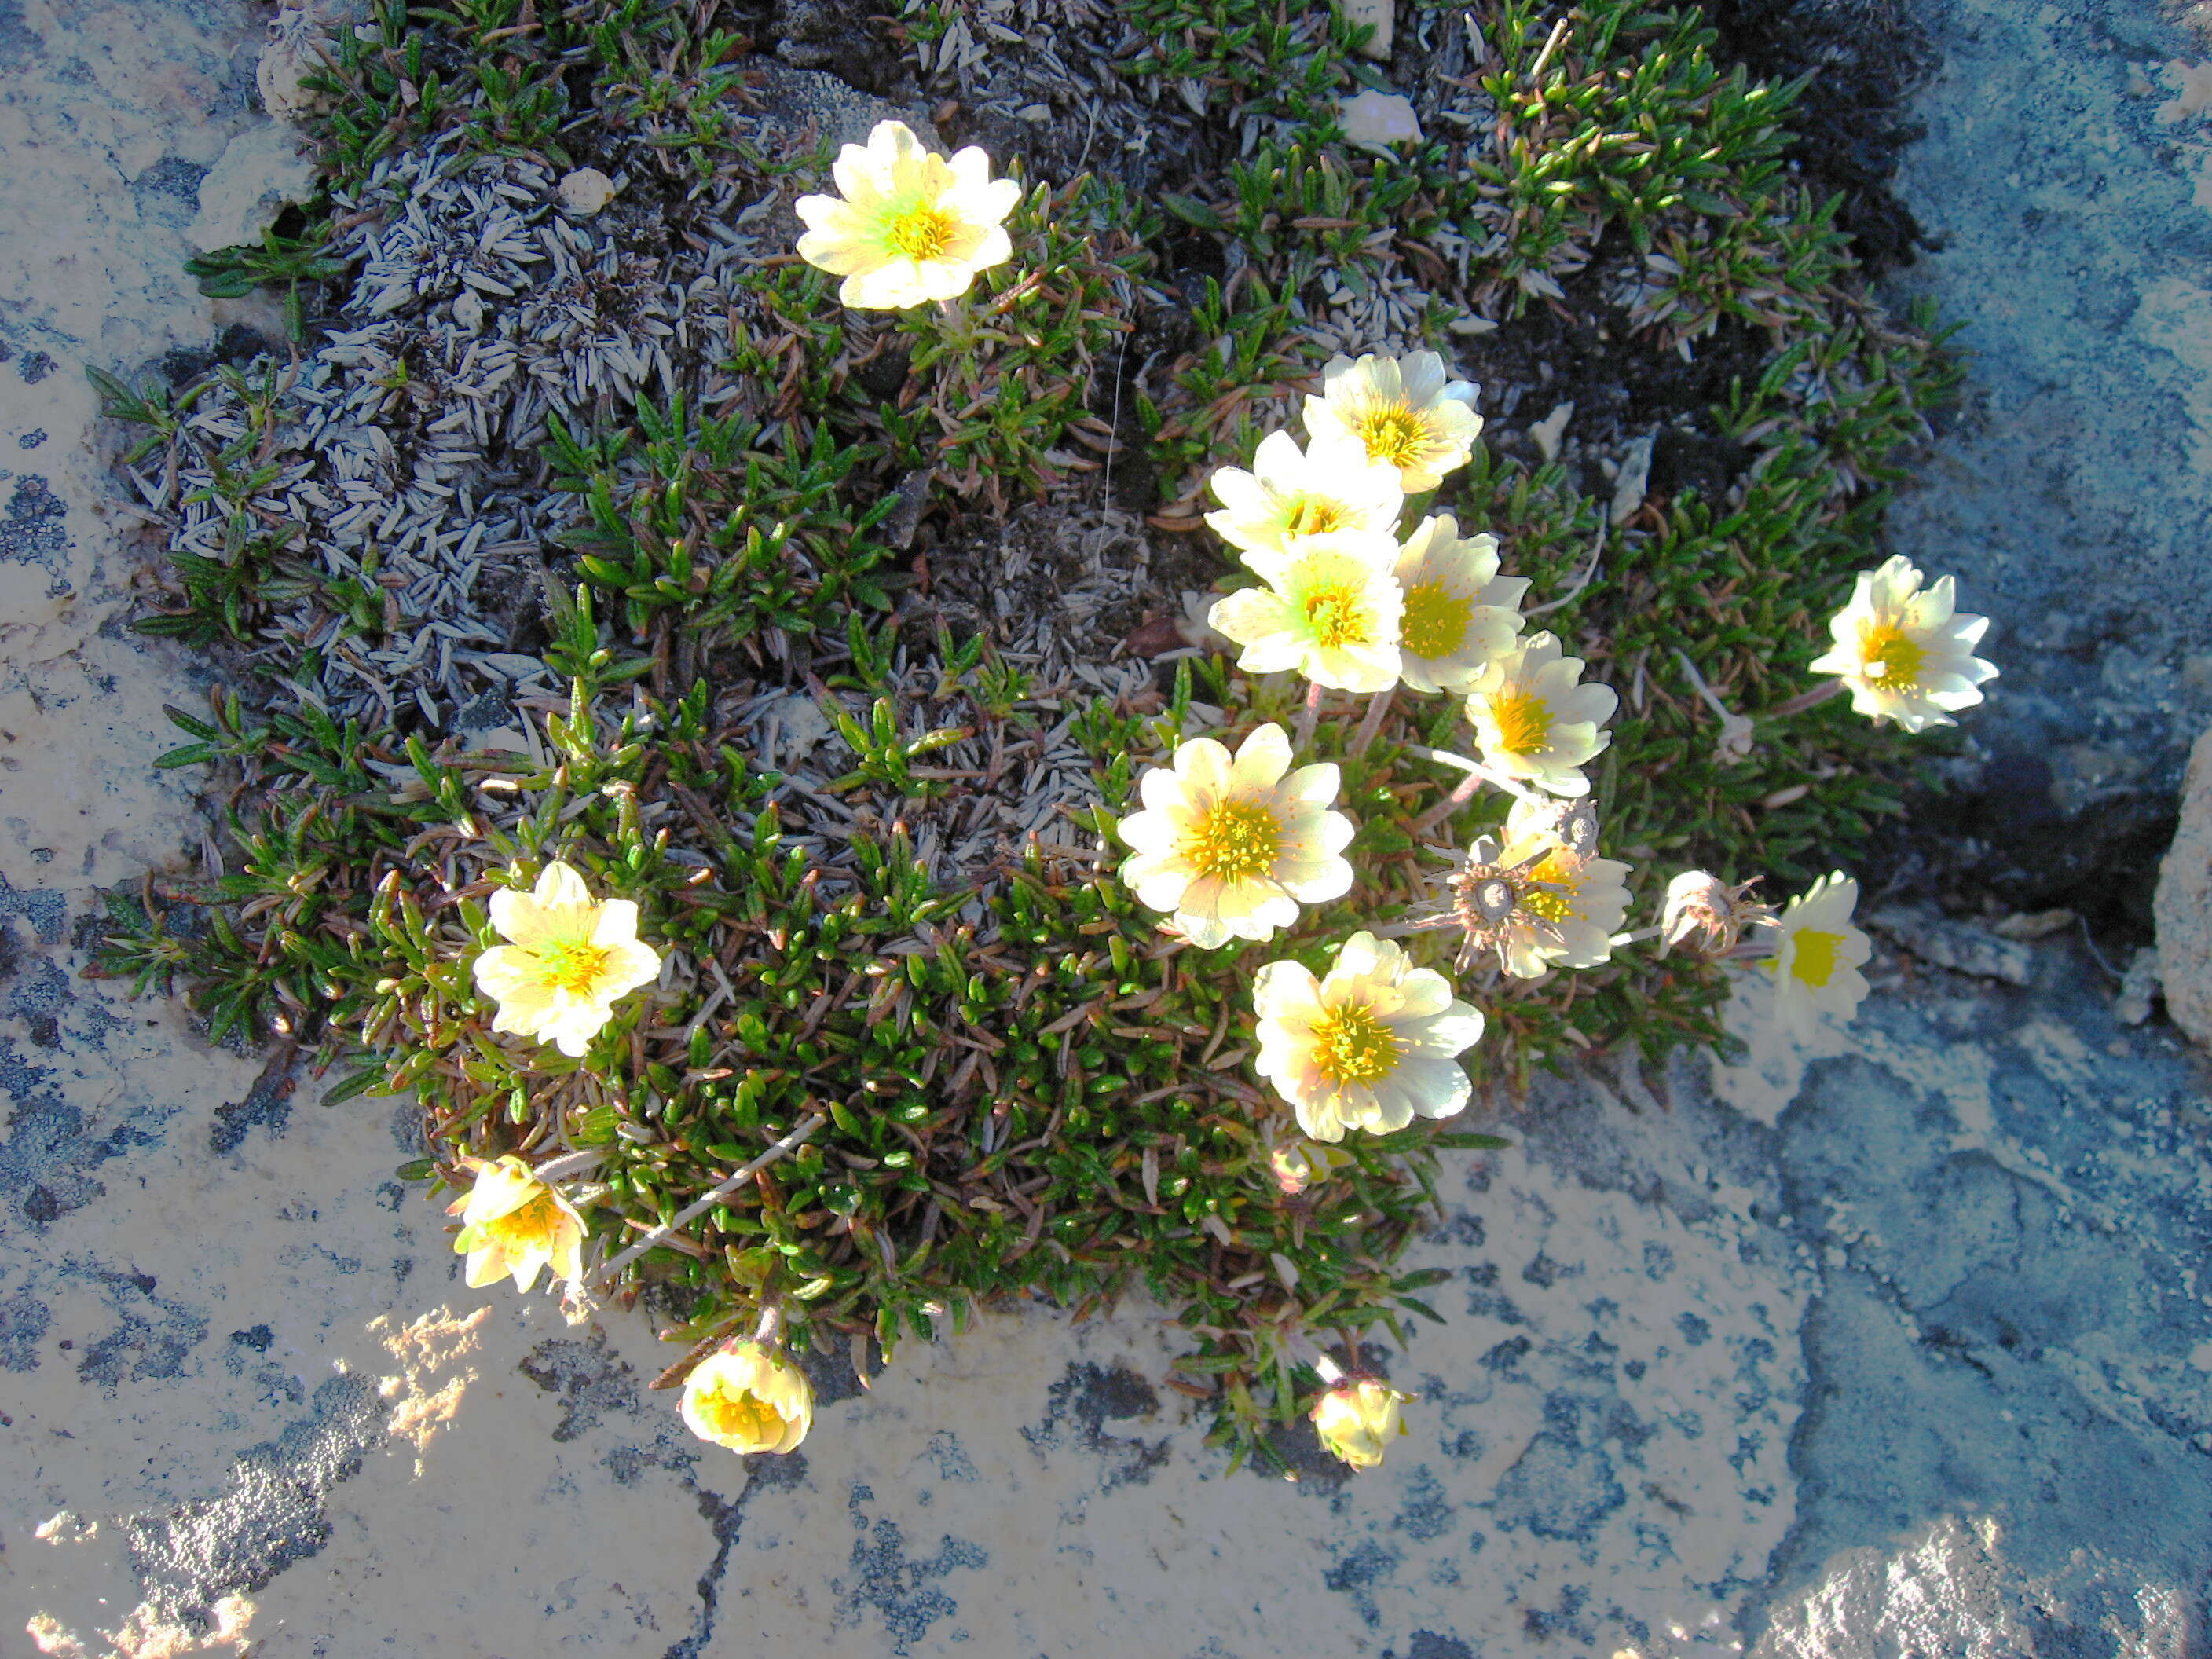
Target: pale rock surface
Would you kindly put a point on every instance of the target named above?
(586, 191)
(263, 168)
(1909, 1354)
(2183, 906)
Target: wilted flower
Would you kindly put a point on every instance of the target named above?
(1700, 903)
(1816, 965)
(1533, 721)
(1330, 610)
(1233, 846)
(1405, 411)
(1358, 1418)
(1583, 897)
(569, 958)
(1488, 899)
(1367, 1048)
(514, 1222)
(1330, 486)
(910, 227)
(1905, 652)
(1460, 612)
(749, 1398)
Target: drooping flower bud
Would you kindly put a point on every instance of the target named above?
(749, 1398)
(1358, 1418)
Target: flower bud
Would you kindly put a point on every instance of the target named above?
(1357, 1419)
(1299, 1164)
(749, 1398)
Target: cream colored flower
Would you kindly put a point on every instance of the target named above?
(568, 961)
(1460, 612)
(1367, 1048)
(1232, 846)
(1583, 897)
(1816, 965)
(910, 227)
(751, 1400)
(1906, 654)
(1358, 1418)
(1330, 610)
(514, 1222)
(1289, 493)
(1533, 721)
(1405, 411)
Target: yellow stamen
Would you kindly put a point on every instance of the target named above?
(1553, 907)
(742, 1416)
(1436, 620)
(921, 233)
(1392, 432)
(572, 965)
(1352, 1046)
(1814, 960)
(1336, 616)
(1893, 661)
(1524, 722)
(1234, 840)
(1313, 515)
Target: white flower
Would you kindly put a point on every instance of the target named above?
(1368, 1047)
(1583, 897)
(749, 1398)
(1533, 722)
(569, 959)
(1231, 846)
(1359, 1419)
(910, 227)
(514, 1222)
(1816, 965)
(1289, 493)
(1905, 653)
(1330, 610)
(1460, 612)
(1403, 411)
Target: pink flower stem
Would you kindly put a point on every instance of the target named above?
(1308, 716)
(1378, 710)
(1805, 700)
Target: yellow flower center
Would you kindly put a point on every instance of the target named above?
(1893, 661)
(1436, 620)
(1350, 1045)
(572, 965)
(1814, 960)
(1234, 840)
(742, 1417)
(1392, 432)
(1552, 907)
(1524, 722)
(922, 231)
(1336, 614)
(1314, 515)
(537, 1224)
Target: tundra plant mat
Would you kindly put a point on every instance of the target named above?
(836, 641)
